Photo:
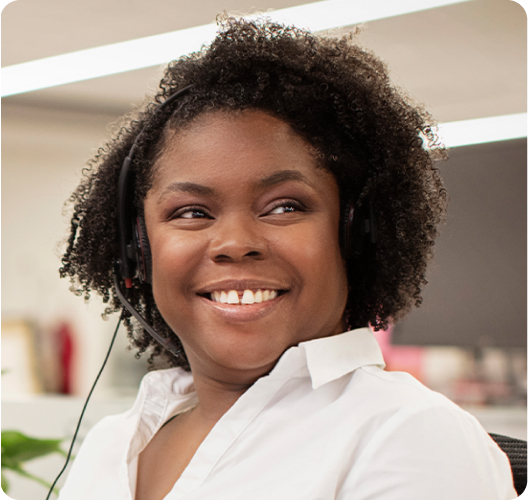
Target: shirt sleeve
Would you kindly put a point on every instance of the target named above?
(433, 453)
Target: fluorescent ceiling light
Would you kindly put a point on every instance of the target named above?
(481, 130)
(160, 49)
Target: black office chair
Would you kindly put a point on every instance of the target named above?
(515, 449)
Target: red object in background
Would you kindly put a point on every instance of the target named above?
(65, 344)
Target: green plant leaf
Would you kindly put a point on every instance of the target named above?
(5, 483)
(18, 448)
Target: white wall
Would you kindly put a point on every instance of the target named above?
(43, 152)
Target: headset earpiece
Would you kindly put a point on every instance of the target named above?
(359, 230)
(142, 252)
(348, 218)
(134, 251)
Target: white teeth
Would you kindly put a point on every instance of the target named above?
(248, 297)
(232, 297)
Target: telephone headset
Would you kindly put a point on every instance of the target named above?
(135, 261)
(134, 249)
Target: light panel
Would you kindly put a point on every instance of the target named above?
(481, 130)
(160, 49)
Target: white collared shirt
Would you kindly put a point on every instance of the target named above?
(327, 423)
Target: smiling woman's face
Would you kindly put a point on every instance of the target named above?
(243, 228)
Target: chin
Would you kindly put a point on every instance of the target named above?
(239, 353)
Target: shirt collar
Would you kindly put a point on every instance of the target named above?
(332, 357)
(323, 359)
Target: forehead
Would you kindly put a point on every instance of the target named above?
(247, 142)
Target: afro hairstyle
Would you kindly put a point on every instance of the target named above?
(380, 147)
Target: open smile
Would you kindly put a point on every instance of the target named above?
(243, 297)
(240, 309)
(243, 300)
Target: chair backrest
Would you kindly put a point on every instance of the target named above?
(515, 449)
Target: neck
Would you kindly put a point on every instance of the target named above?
(218, 392)
(215, 398)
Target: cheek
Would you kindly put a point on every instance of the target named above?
(173, 258)
(316, 255)
(331, 268)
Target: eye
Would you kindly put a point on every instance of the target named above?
(190, 213)
(285, 207)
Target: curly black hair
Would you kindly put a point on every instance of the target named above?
(378, 144)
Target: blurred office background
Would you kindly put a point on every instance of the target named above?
(463, 61)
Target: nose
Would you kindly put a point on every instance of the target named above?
(237, 238)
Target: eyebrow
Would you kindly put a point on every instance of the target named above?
(187, 187)
(264, 183)
(283, 176)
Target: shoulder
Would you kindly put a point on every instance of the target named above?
(422, 445)
(400, 408)
(395, 395)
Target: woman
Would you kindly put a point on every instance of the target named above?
(283, 201)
